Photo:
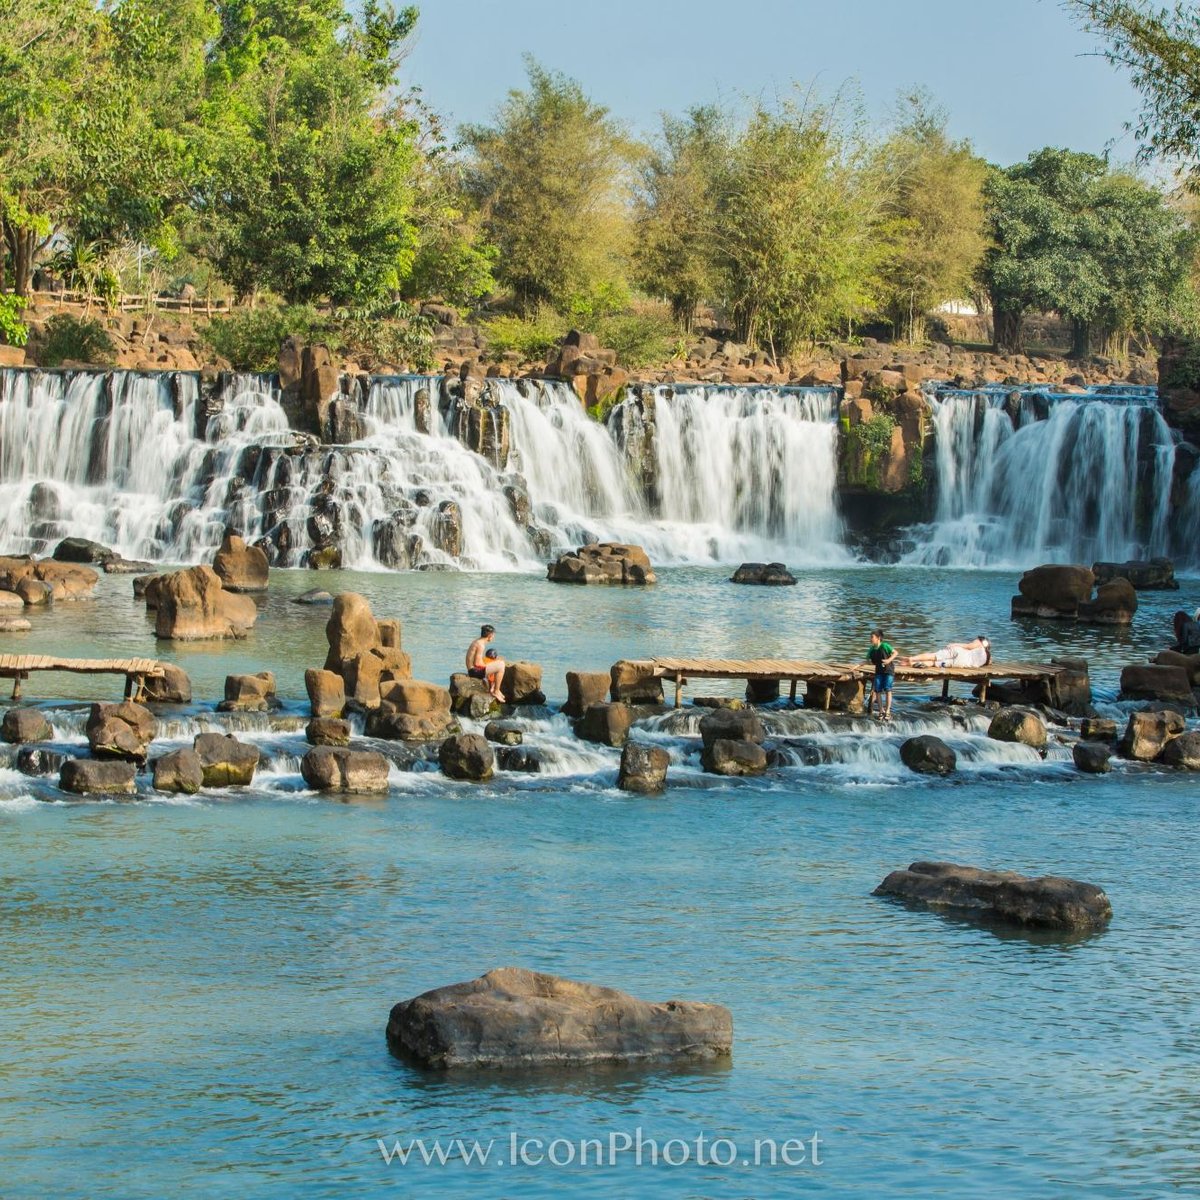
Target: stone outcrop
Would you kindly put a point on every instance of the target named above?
(1048, 901)
(1091, 757)
(1189, 662)
(1155, 574)
(470, 697)
(120, 730)
(326, 692)
(1098, 729)
(633, 681)
(410, 710)
(732, 743)
(1018, 725)
(842, 695)
(224, 760)
(179, 771)
(928, 755)
(1183, 752)
(192, 605)
(1148, 681)
(94, 777)
(30, 582)
(467, 756)
(80, 550)
(173, 687)
(1062, 592)
(585, 688)
(22, 725)
(239, 567)
(603, 563)
(773, 574)
(643, 769)
(503, 733)
(522, 683)
(337, 769)
(327, 731)
(605, 724)
(249, 693)
(363, 651)
(515, 1018)
(1147, 734)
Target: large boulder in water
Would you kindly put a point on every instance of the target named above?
(515, 1018)
(522, 683)
(1155, 574)
(179, 771)
(773, 574)
(1147, 734)
(467, 756)
(1147, 681)
(122, 730)
(603, 563)
(633, 681)
(326, 692)
(249, 693)
(172, 687)
(1115, 604)
(1091, 758)
(585, 688)
(733, 725)
(226, 762)
(22, 725)
(80, 550)
(605, 724)
(363, 651)
(1018, 725)
(336, 769)
(731, 757)
(643, 769)
(1059, 591)
(193, 606)
(239, 567)
(92, 777)
(1183, 751)
(1189, 662)
(327, 731)
(928, 755)
(1049, 901)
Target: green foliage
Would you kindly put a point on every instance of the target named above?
(84, 268)
(641, 338)
(547, 177)
(250, 338)
(532, 336)
(1184, 371)
(72, 339)
(13, 331)
(1099, 247)
(935, 190)
(402, 337)
(1160, 47)
(875, 435)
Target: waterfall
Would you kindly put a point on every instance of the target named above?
(145, 464)
(1023, 478)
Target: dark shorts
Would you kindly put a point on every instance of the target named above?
(882, 682)
(477, 672)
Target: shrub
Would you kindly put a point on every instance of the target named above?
(71, 339)
(531, 337)
(13, 331)
(250, 338)
(641, 338)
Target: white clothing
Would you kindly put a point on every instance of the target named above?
(958, 657)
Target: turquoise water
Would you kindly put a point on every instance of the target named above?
(194, 993)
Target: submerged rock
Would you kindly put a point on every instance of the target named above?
(503, 733)
(605, 724)
(517, 1018)
(725, 757)
(773, 574)
(1091, 757)
(603, 563)
(313, 596)
(928, 755)
(1155, 574)
(37, 760)
(327, 731)
(1018, 725)
(1048, 901)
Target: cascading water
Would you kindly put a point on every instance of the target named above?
(1036, 478)
(145, 464)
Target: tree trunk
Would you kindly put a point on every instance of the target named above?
(1081, 339)
(1007, 334)
(683, 309)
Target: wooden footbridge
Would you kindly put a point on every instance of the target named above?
(136, 670)
(794, 671)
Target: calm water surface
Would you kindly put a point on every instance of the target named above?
(194, 994)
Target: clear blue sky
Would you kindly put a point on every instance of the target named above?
(1015, 75)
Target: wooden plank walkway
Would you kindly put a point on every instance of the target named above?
(136, 670)
(680, 670)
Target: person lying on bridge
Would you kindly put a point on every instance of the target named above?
(975, 653)
(485, 663)
(883, 655)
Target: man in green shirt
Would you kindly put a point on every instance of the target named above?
(883, 657)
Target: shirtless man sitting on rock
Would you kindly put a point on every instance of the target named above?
(486, 664)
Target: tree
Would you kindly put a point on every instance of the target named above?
(1160, 47)
(1100, 248)
(935, 199)
(548, 178)
(309, 184)
(677, 211)
(799, 215)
